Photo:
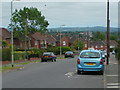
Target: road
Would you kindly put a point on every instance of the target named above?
(60, 74)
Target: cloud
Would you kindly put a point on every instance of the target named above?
(68, 13)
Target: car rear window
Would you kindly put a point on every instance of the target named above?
(90, 55)
(46, 54)
(69, 52)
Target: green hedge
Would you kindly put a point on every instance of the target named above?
(20, 55)
(117, 50)
(6, 54)
(56, 50)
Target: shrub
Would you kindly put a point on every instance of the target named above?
(38, 51)
(56, 50)
(19, 55)
(6, 54)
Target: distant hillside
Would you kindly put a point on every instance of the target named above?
(84, 29)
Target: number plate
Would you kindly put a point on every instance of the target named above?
(89, 63)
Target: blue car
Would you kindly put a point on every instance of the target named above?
(90, 60)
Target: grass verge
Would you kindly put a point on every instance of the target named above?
(7, 67)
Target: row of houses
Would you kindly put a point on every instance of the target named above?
(39, 41)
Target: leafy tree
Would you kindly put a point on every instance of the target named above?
(117, 50)
(98, 36)
(113, 37)
(4, 43)
(77, 44)
(27, 21)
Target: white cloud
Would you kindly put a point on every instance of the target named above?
(68, 13)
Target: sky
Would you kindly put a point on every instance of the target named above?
(70, 14)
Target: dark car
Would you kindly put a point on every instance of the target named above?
(69, 54)
(113, 52)
(48, 56)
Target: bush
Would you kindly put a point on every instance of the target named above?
(38, 51)
(117, 51)
(56, 50)
(6, 54)
(19, 55)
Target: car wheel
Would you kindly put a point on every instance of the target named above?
(52, 60)
(101, 72)
(55, 60)
(78, 72)
(42, 60)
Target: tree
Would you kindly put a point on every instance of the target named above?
(27, 21)
(98, 36)
(113, 37)
(4, 43)
(77, 44)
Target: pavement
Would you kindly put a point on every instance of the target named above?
(111, 73)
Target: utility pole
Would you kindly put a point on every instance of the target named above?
(12, 35)
(108, 33)
(78, 41)
(61, 41)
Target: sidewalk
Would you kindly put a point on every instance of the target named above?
(111, 73)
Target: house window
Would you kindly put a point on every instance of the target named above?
(85, 45)
(64, 43)
(96, 46)
(92, 47)
(101, 46)
(35, 42)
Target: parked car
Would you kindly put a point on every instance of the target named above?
(69, 54)
(48, 56)
(113, 52)
(90, 60)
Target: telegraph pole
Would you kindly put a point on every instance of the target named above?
(108, 33)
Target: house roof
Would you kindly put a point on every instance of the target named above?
(39, 36)
(96, 43)
(48, 38)
(4, 33)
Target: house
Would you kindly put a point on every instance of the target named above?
(5, 35)
(42, 40)
(50, 40)
(38, 40)
(64, 41)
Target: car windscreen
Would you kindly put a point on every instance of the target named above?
(90, 55)
(46, 54)
(69, 52)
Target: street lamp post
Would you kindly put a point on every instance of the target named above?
(12, 42)
(12, 36)
(60, 41)
(78, 42)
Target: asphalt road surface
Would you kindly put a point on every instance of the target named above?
(60, 74)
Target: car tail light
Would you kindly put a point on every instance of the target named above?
(50, 56)
(101, 62)
(78, 61)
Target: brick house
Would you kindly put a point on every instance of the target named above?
(42, 40)
(38, 40)
(5, 35)
(64, 41)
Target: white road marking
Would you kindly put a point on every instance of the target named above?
(69, 74)
(112, 75)
(112, 87)
(112, 83)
